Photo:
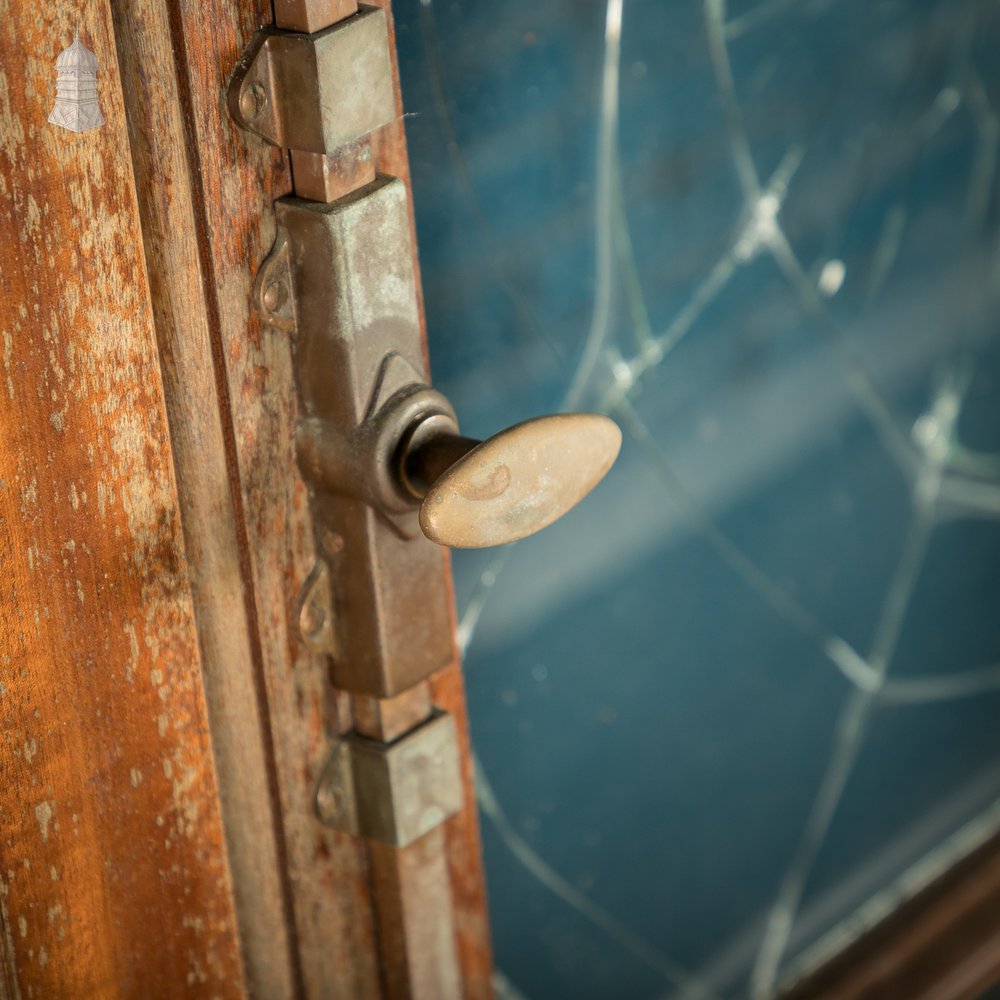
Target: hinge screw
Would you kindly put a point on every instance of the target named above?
(274, 296)
(332, 542)
(329, 804)
(252, 101)
(311, 620)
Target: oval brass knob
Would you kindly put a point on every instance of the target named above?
(476, 494)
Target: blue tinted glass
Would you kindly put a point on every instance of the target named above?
(747, 693)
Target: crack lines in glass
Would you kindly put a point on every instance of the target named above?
(944, 477)
(855, 715)
(689, 986)
(604, 209)
(934, 437)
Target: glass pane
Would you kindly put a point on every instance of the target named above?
(744, 698)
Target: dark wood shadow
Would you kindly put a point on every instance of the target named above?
(944, 944)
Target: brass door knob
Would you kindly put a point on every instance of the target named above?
(474, 494)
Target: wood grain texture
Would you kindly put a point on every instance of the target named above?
(112, 858)
(152, 48)
(239, 176)
(328, 872)
(155, 540)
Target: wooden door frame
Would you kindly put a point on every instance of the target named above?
(183, 227)
(291, 899)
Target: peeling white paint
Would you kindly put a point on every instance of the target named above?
(43, 813)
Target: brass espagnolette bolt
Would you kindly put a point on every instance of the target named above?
(387, 469)
(380, 449)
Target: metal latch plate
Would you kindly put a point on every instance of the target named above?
(341, 280)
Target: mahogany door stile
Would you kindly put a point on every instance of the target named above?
(156, 537)
(114, 862)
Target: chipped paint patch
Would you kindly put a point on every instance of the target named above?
(133, 645)
(43, 813)
(8, 350)
(82, 358)
(29, 495)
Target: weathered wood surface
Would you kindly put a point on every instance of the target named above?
(112, 858)
(328, 871)
(153, 44)
(237, 177)
(155, 539)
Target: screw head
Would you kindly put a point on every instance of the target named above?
(275, 296)
(252, 101)
(332, 542)
(311, 619)
(329, 801)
